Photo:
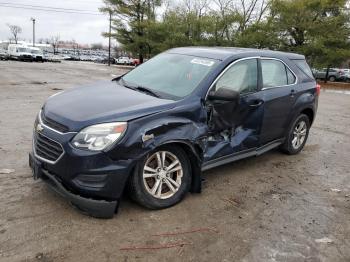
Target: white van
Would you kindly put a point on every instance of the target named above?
(37, 54)
(19, 52)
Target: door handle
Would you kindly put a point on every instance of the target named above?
(292, 93)
(256, 103)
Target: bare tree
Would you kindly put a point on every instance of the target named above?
(251, 11)
(15, 31)
(54, 40)
(224, 10)
(198, 7)
(167, 5)
(223, 6)
(194, 10)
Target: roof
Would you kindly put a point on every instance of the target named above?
(222, 53)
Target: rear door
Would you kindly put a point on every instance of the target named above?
(278, 92)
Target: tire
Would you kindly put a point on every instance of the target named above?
(331, 78)
(140, 187)
(292, 146)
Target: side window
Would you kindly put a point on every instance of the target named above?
(275, 73)
(290, 77)
(241, 77)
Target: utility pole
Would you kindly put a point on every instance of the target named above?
(33, 19)
(109, 40)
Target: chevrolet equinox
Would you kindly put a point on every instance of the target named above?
(154, 130)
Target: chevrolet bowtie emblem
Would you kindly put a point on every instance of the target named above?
(39, 128)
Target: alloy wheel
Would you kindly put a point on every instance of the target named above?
(299, 134)
(162, 174)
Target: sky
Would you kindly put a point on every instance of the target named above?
(83, 28)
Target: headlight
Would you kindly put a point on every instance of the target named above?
(99, 137)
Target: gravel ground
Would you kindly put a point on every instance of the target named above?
(270, 208)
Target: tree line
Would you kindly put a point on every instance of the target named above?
(319, 29)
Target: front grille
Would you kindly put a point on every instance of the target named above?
(47, 148)
(53, 124)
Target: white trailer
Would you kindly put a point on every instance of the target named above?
(19, 52)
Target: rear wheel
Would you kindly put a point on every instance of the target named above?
(297, 135)
(162, 178)
(331, 78)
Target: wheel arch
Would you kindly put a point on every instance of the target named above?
(306, 104)
(194, 153)
(309, 112)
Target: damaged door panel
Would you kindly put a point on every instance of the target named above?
(235, 111)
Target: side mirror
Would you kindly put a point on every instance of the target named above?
(224, 94)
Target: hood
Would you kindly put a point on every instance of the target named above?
(101, 102)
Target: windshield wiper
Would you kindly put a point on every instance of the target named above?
(126, 85)
(139, 88)
(147, 90)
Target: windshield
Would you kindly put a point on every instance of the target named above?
(171, 75)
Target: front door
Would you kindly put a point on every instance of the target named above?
(235, 127)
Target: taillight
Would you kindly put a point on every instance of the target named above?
(318, 89)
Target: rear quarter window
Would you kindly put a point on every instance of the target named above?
(275, 74)
(304, 67)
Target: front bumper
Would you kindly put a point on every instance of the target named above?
(92, 181)
(92, 207)
(25, 58)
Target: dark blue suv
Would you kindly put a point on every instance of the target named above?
(154, 130)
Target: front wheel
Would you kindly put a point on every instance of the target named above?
(162, 178)
(297, 135)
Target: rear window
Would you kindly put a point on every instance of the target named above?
(275, 73)
(303, 66)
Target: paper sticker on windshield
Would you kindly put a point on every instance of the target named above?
(204, 62)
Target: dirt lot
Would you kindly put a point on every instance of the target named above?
(335, 85)
(271, 208)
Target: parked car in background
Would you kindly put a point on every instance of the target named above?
(52, 58)
(19, 52)
(135, 61)
(37, 54)
(155, 129)
(3, 54)
(123, 60)
(104, 60)
(72, 58)
(346, 75)
(334, 74)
